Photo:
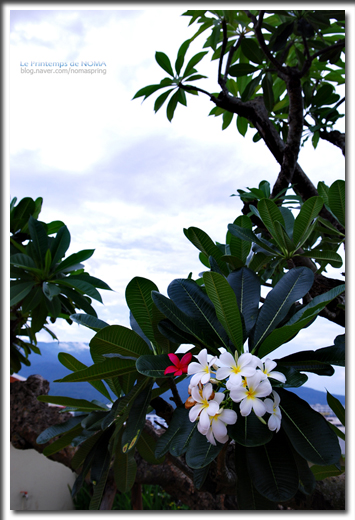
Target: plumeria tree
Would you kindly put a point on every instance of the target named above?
(241, 433)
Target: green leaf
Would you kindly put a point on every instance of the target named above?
(33, 299)
(193, 301)
(24, 262)
(204, 243)
(74, 259)
(139, 300)
(21, 213)
(60, 245)
(227, 119)
(246, 286)
(268, 93)
(193, 62)
(225, 303)
(336, 200)
(248, 93)
(39, 240)
(89, 321)
(200, 452)
(153, 366)
(73, 364)
(19, 291)
(164, 62)
(292, 286)
(136, 419)
(80, 404)
(337, 407)
(62, 442)
(181, 56)
(170, 109)
(180, 319)
(322, 472)
(242, 125)
(81, 286)
(106, 369)
(308, 431)
(50, 290)
(242, 69)
(309, 211)
(269, 214)
(248, 235)
(161, 100)
(58, 429)
(125, 469)
(177, 437)
(323, 191)
(146, 447)
(330, 257)
(272, 469)
(249, 430)
(116, 339)
(251, 49)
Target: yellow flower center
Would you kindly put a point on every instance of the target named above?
(251, 393)
(236, 369)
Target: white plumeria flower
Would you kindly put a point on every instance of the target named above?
(249, 395)
(204, 407)
(272, 407)
(235, 367)
(201, 370)
(218, 428)
(267, 370)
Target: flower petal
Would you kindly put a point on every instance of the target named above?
(228, 416)
(245, 407)
(194, 412)
(223, 373)
(205, 419)
(185, 360)
(258, 407)
(174, 359)
(170, 369)
(194, 368)
(226, 359)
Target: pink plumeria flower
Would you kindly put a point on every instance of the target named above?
(179, 366)
(249, 395)
(272, 407)
(218, 429)
(207, 404)
(267, 369)
(235, 367)
(202, 369)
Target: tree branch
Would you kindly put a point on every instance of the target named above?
(335, 137)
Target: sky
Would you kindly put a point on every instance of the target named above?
(124, 180)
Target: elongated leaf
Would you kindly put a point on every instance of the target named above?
(298, 321)
(337, 407)
(105, 459)
(330, 257)
(62, 442)
(249, 430)
(139, 300)
(74, 259)
(322, 472)
(241, 248)
(268, 93)
(174, 334)
(248, 497)
(96, 282)
(180, 319)
(307, 482)
(309, 211)
(242, 69)
(204, 243)
(125, 469)
(159, 102)
(33, 299)
(191, 300)
(252, 51)
(308, 431)
(153, 366)
(292, 286)
(89, 321)
(117, 339)
(81, 286)
(136, 419)
(73, 364)
(18, 291)
(270, 213)
(21, 213)
(248, 235)
(24, 262)
(225, 303)
(181, 56)
(200, 452)
(39, 240)
(59, 246)
(246, 286)
(177, 436)
(164, 62)
(80, 404)
(146, 447)
(107, 369)
(58, 429)
(193, 62)
(272, 469)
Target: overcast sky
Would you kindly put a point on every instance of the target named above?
(124, 180)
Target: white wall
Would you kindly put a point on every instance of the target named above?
(45, 481)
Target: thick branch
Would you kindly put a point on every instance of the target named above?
(335, 137)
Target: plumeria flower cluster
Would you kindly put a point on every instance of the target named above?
(244, 379)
